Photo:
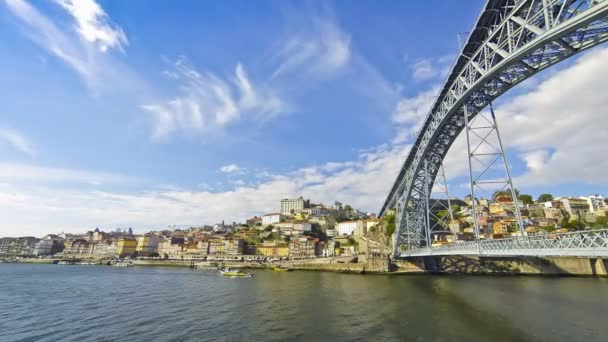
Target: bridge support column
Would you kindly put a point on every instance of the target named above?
(488, 178)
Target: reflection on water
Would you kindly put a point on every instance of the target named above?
(84, 303)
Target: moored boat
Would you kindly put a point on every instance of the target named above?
(280, 269)
(235, 273)
(122, 264)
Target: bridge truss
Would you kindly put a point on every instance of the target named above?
(511, 41)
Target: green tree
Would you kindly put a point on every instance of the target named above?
(269, 228)
(526, 199)
(600, 223)
(545, 198)
(389, 224)
(549, 228)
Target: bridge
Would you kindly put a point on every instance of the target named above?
(511, 41)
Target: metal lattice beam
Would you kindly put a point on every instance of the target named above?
(592, 243)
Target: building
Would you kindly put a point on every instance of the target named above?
(596, 203)
(254, 221)
(196, 250)
(78, 247)
(320, 210)
(126, 246)
(48, 246)
(234, 247)
(273, 250)
(329, 249)
(572, 205)
(23, 246)
(106, 249)
(146, 244)
(217, 247)
(363, 226)
(171, 248)
(301, 227)
(500, 227)
(346, 227)
(302, 248)
(272, 218)
(292, 206)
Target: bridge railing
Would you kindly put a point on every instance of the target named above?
(581, 243)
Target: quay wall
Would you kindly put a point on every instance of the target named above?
(551, 266)
(542, 266)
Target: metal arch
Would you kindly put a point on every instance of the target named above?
(521, 38)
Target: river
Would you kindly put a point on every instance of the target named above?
(102, 303)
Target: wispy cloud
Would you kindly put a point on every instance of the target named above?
(230, 168)
(16, 140)
(83, 43)
(94, 25)
(32, 174)
(431, 68)
(320, 49)
(209, 101)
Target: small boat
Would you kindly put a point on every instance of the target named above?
(280, 269)
(122, 264)
(235, 273)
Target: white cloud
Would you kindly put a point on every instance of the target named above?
(31, 174)
(84, 49)
(431, 68)
(230, 168)
(210, 102)
(94, 25)
(320, 49)
(411, 111)
(16, 140)
(37, 209)
(560, 128)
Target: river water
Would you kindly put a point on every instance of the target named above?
(101, 303)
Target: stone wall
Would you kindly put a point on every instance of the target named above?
(574, 266)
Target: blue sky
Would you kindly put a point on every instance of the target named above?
(150, 113)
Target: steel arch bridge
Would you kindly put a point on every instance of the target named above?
(511, 41)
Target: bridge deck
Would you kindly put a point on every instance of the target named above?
(593, 243)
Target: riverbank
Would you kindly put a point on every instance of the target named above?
(466, 265)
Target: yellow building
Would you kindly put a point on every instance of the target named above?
(500, 227)
(276, 251)
(147, 244)
(126, 246)
(497, 208)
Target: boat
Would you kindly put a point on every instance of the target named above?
(280, 269)
(122, 264)
(235, 273)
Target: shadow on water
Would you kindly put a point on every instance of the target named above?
(456, 315)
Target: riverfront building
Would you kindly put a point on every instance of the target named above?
(147, 244)
(126, 246)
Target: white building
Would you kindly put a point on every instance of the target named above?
(596, 203)
(291, 206)
(346, 227)
(271, 218)
(302, 227)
